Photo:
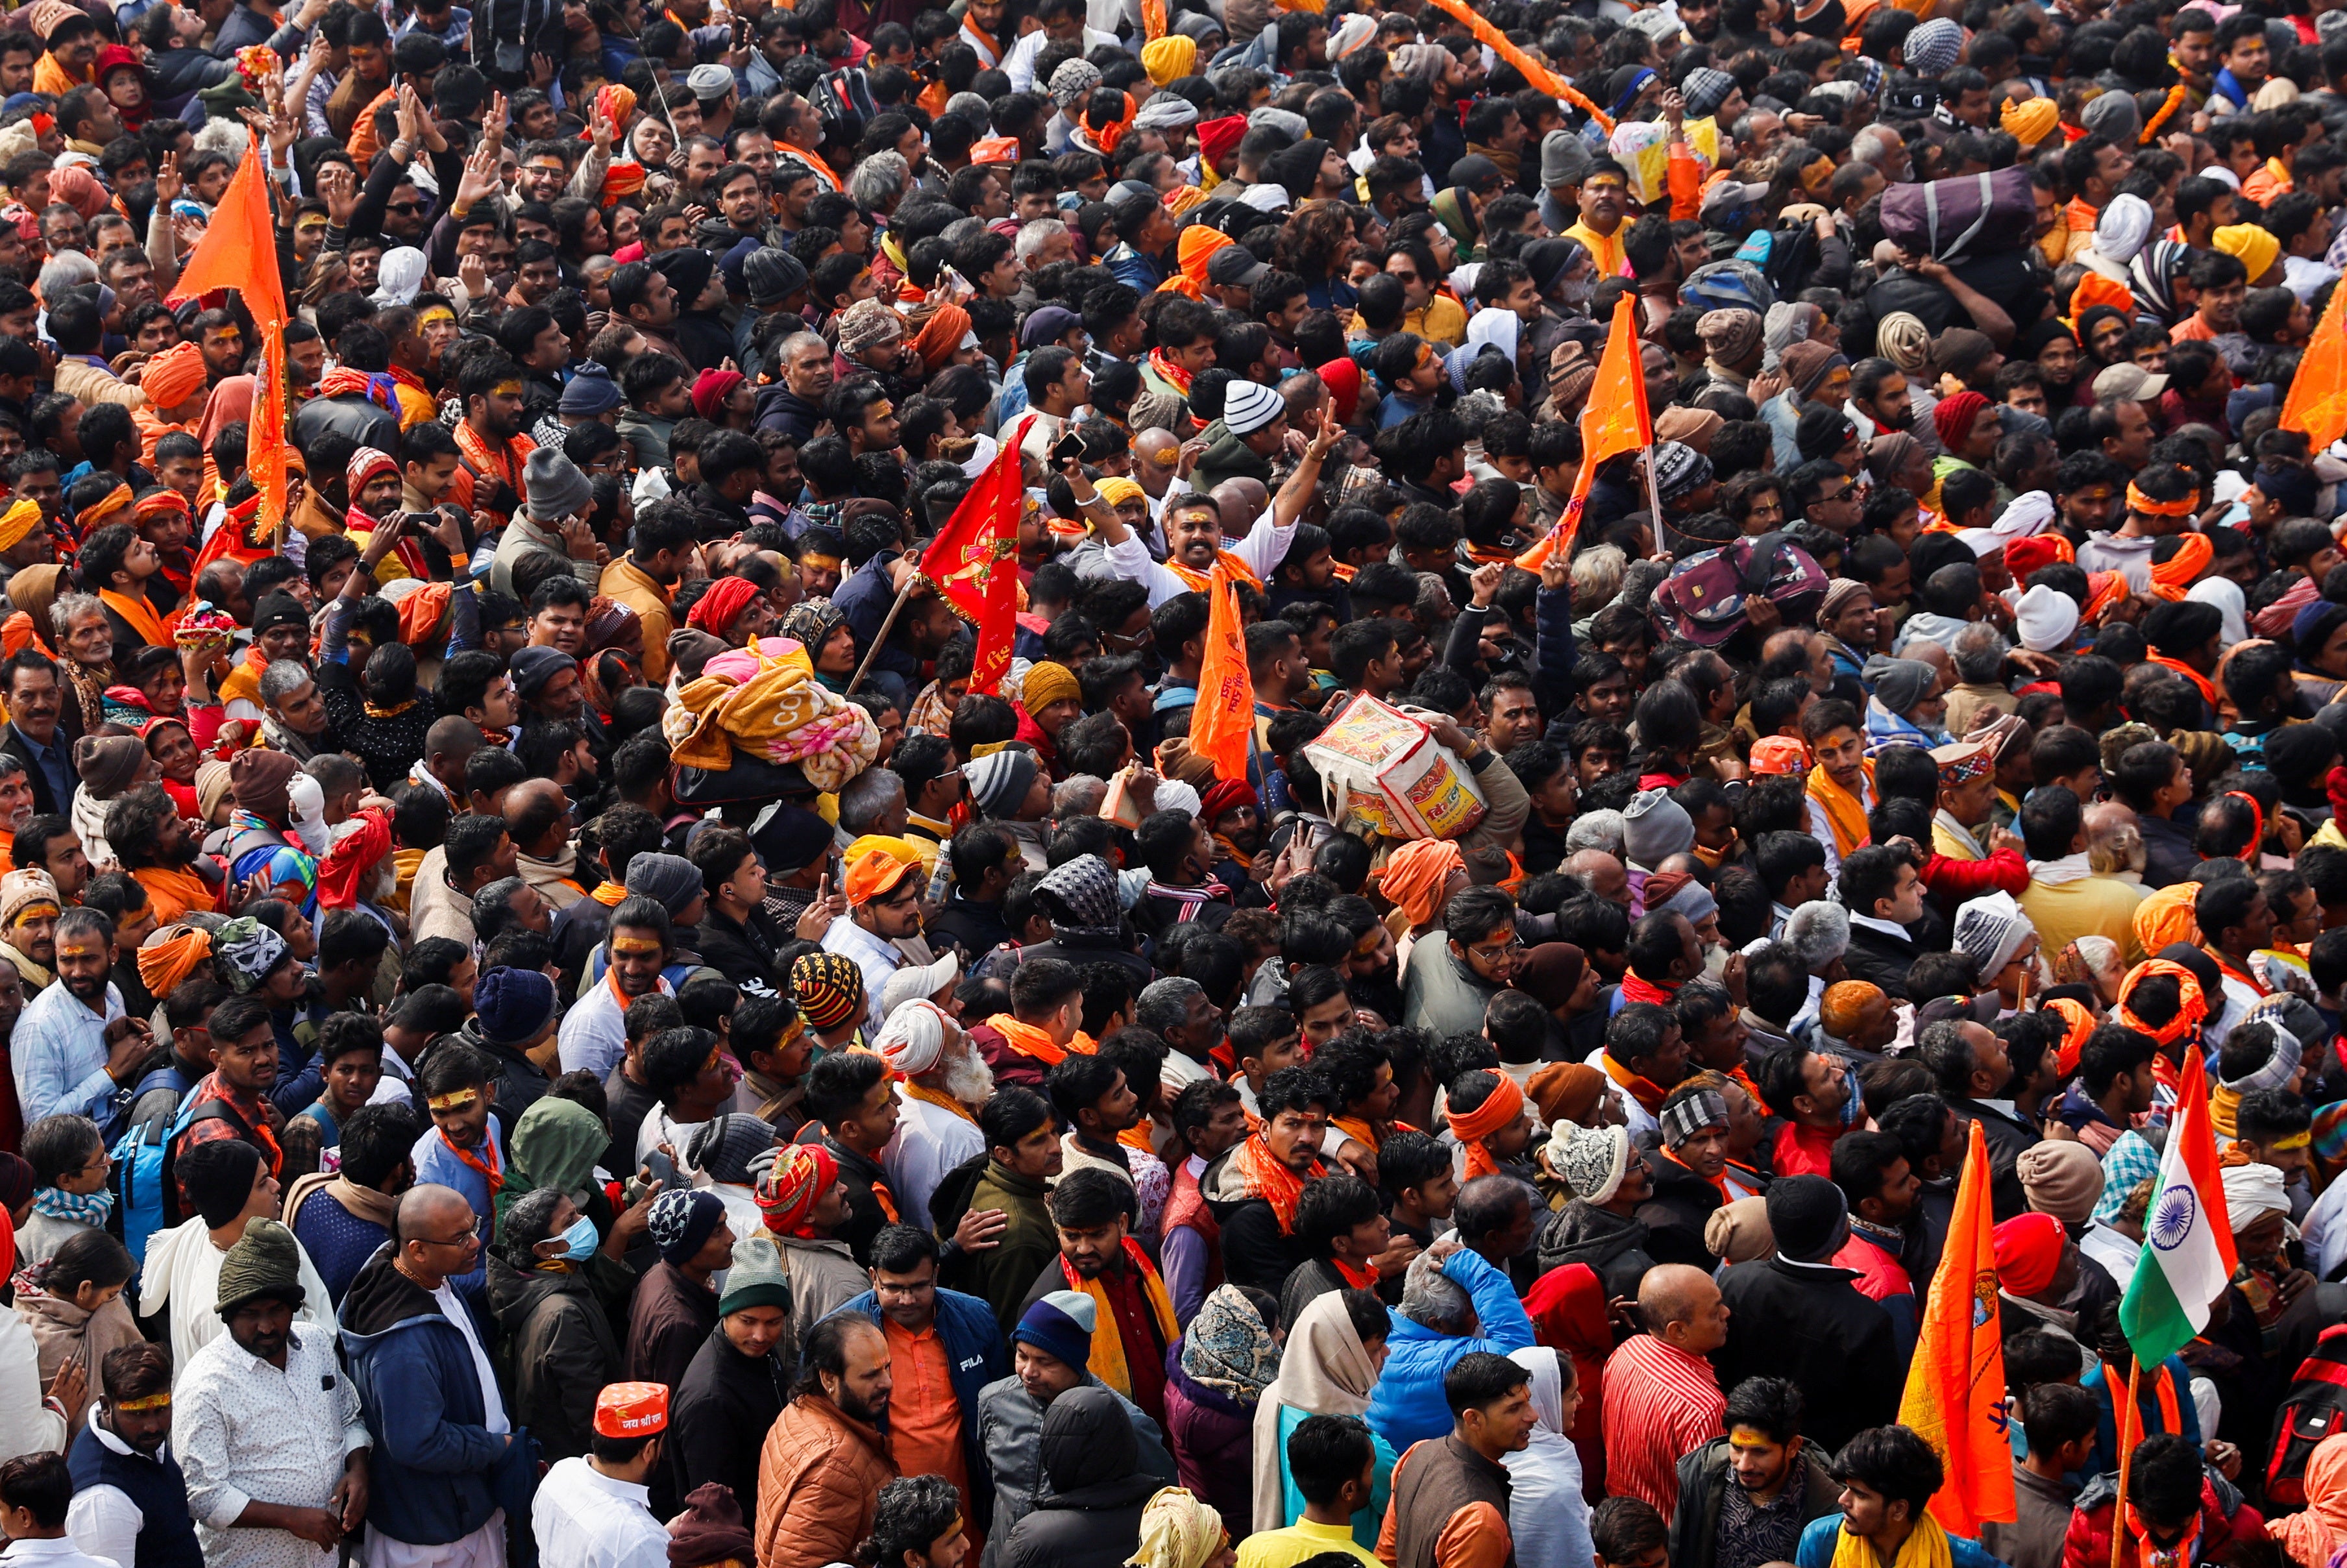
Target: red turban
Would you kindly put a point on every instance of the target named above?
(1218, 138)
(2029, 1253)
(1953, 419)
(2035, 553)
(716, 610)
(787, 1194)
(1228, 795)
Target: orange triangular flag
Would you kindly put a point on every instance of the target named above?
(2317, 404)
(975, 563)
(1613, 422)
(238, 250)
(1955, 1385)
(1223, 723)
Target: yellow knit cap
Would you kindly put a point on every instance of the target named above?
(1169, 59)
(1047, 684)
(2257, 248)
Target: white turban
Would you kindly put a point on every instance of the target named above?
(2252, 1192)
(2030, 513)
(914, 1037)
(2046, 619)
(1172, 794)
(2122, 229)
(307, 797)
(398, 275)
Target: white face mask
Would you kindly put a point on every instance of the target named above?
(308, 799)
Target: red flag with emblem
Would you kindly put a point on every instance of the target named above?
(975, 563)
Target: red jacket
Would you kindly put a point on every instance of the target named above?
(2088, 1542)
(1953, 881)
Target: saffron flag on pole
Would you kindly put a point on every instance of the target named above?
(1613, 422)
(1955, 1385)
(239, 251)
(2317, 404)
(2188, 1252)
(1223, 723)
(975, 563)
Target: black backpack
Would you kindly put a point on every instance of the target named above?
(2314, 1409)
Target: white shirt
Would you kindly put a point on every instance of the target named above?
(931, 1140)
(2115, 1252)
(182, 1272)
(585, 1519)
(1019, 65)
(62, 1552)
(877, 958)
(245, 1432)
(1263, 549)
(594, 1034)
(492, 1402)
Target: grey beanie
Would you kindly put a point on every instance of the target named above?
(671, 880)
(771, 276)
(1288, 121)
(999, 782)
(555, 488)
(724, 1146)
(1653, 828)
(1564, 158)
(1898, 683)
(2113, 115)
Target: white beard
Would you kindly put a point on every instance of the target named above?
(968, 1079)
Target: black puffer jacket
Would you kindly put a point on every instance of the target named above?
(1090, 1516)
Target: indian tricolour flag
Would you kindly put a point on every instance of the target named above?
(2188, 1252)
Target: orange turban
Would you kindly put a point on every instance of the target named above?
(1415, 874)
(164, 962)
(175, 376)
(2165, 917)
(2104, 589)
(2193, 1007)
(616, 104)
(116, 500)
(622, 179)
(2094, 289)
(943, 333)
(420, 612)
(2171, 578)
(1779, 754)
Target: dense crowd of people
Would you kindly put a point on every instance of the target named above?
(1633, 628)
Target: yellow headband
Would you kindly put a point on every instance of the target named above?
(633, 945)
(819, 560)
(2295, 1141)
(35, 910)
(461, 1100)
(161, 1401)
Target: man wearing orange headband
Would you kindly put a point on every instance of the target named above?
(884, 886)
(2160, 501)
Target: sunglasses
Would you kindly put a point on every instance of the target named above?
(406, 209)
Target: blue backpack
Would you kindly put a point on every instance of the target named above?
(146, 1189)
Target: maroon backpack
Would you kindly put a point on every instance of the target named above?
(1702, 601)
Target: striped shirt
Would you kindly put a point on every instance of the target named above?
(1660, 1403)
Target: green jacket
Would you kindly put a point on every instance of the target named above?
(1001, 1275)
(1227, 457)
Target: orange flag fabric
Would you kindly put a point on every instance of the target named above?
(1152, 20)
(1955, 1386)
(1540, 75)
(2317, 404)
(239, 251)
(1613, 422)
(975, 563)
(1223, 721)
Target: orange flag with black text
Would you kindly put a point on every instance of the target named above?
(975, 564)
(1955, 1385)
(239, 251)
(1613, 422)
(1223, 723)
(2317, 404)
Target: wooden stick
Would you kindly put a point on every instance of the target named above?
(872, 652)
(2128, 1419)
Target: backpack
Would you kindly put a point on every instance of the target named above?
(146, 1188)
(1702, 601)
(2314, 1409)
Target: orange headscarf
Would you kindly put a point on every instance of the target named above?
(2094, 289)
(2077, 1024)
(1414, 876)
(1198, 243)
(164, 962)
(2170, 579)
(2165, 917)
(937, 340)
(1499, 1108)
(2104, 588)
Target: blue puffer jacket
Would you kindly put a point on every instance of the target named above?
(436, 1472)
(975, 1357)
(1406, 1405)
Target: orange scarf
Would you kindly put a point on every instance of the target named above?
(1496, 1114)
(1108, 1361)
(1649, 1094)
(1357, 1128)
(1358, 1277)
(1031, 1041)
(1203, 582)
(1719, 1183)
(50, 77)
(609, 892)
(133, 609)
(1845, 813)
(492, 1169)
(2207, 687)
(939, 1098)
(1262, 1176)
(174, 890)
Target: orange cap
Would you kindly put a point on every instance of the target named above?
(875, 872)
(632, 1410)
(1779, 754)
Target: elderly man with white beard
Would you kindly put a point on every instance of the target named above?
(946, 1082)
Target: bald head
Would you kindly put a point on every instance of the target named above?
(430, 1212)
(1599, 873)
(1241, 502)
(1682, 1307)
(453, 739)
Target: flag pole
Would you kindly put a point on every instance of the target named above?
(2127, 1419)
(904, 594)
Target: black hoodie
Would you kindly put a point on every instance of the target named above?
(1090, 1516)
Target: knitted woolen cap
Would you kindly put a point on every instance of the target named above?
(266, 1261)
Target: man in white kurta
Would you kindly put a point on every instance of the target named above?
(595, 1511)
